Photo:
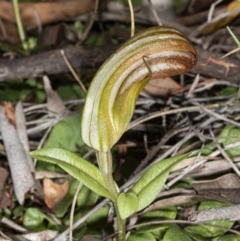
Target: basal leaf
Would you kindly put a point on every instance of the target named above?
(152, 181)
(76, 166)
(127, 204)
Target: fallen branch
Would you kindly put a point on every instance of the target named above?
(51, 62)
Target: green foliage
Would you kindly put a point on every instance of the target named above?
(19, 90)
(77, 28)
(168, 213)
(146, 189)
(85, 200)
(229, 237)
(229, 90)
(65, 204)
(66, 134)
(141, 237)
(135, 3)
(176, 232)
(178, 4)
(6, 212)
(151, 183)
(33, 219)
(18, 211)
(127, 204)
(27, 44)
(67, 92)
(230, 134)
(76, 166)
(94, 39)
(158, 230)
(93, 225)
(99, 218)
(6, 47)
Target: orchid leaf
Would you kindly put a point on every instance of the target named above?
(150, 184)
(127, 204)
(76, 166)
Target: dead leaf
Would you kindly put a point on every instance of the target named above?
(54, 192)
(3, 177)
(174, 201)
(22, 131)
(223, 213)
(172, 197)
(9, 112)
(162, 87)
(21, 174)
(225, 188)
(5, 199)
(212, 168)
(40, 236)
(46, 12)
(55, 104)
(232, 11)
(189, 161)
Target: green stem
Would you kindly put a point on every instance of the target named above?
(19, 21)
(121, 224)
(105, 164)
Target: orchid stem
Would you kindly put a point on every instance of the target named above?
(121, 224)
(105, 164)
